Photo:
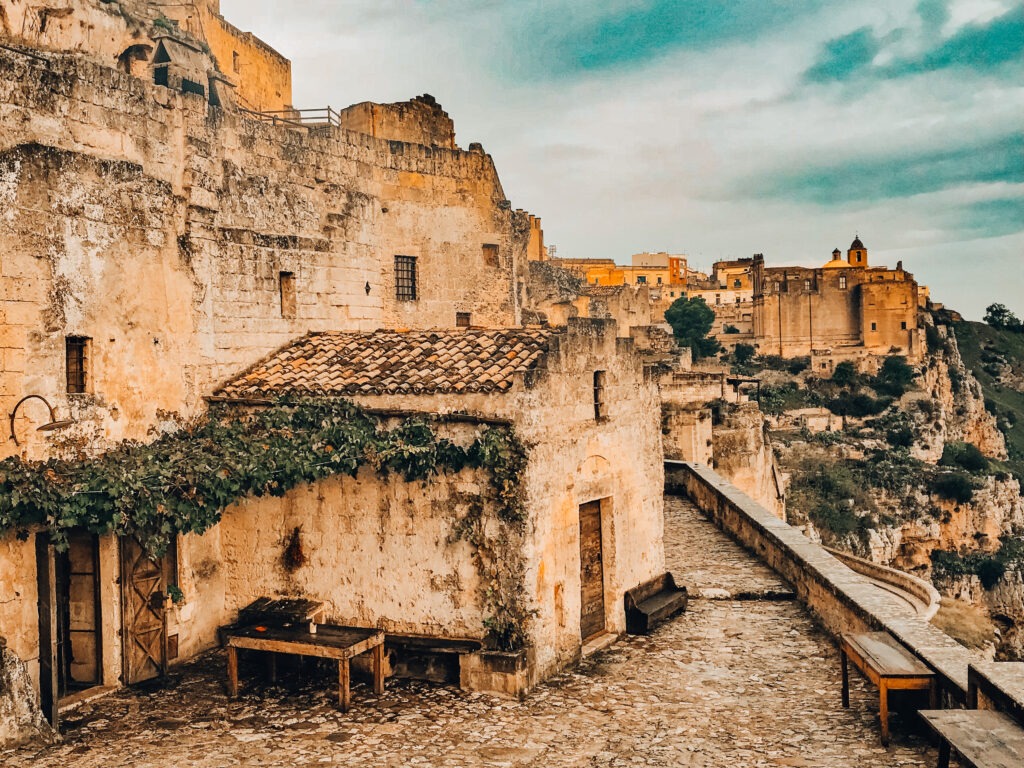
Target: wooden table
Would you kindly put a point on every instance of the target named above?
(983, 738)
(888, 665)
(329, 642)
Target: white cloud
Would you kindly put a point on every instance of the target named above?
(654, 157)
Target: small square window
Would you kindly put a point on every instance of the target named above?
(842, 282)
(874, 326)
(462, 320)
(76, 350)
(405, 278)
(641, 280)
(289, 295)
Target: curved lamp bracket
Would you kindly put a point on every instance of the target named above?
(49, 426)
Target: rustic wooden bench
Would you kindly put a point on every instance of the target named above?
(328, 642)
(983, 738)
(889, 666)
(652, 602)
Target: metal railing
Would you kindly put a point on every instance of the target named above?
(297, 118)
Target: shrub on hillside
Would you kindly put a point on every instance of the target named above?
(953, 486)
(858, 404)
(900, 437)
(895, 376)
(965, 456)
(845, 374)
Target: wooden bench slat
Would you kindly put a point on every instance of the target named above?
(886, 656)
(984, 738)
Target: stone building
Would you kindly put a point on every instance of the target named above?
(156, 240)
(844, 310)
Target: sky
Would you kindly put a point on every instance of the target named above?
(714, 128)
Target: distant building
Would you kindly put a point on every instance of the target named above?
(843, 310)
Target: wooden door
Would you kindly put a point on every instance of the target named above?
(145, 620)
(591, 571)
(46, 576)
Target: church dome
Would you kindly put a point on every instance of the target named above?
(857, 245)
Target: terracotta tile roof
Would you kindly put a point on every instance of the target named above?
(392, 362)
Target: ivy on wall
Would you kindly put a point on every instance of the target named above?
(182, 482)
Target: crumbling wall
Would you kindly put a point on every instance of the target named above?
(381, 552)
(743, 454)
(172, 254)
(419, 121)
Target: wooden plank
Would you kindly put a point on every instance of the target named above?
(591, 571)
(984, 738)
(232, 672)
(344, 687)
(378, 669)
(881, 652)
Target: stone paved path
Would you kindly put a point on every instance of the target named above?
(731, 684)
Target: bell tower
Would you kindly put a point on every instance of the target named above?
(857, 256)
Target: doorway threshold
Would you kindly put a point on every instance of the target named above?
(74, 700)
(598, 643)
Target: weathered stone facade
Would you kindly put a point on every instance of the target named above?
(843, 310)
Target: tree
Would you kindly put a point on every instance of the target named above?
(895, 377)
(691, 321)
(845, 374)
(743, 354)
(998, 316)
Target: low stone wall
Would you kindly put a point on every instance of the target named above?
(920, 589)
(844, 601)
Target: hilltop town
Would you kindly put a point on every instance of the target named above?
(257, 355)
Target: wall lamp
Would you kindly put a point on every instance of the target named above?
(52, 425)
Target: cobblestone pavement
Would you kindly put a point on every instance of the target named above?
(730, 683)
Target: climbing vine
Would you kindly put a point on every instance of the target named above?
(182, 482)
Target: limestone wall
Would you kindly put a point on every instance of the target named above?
(419, 121)
(380, 553)
(158, 227)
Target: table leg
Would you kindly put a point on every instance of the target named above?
(883, 710)
(344, 693)
(232, 671)
(846, 679)
(933, 694)
(378, 669)
(272, 667)
(944, 754)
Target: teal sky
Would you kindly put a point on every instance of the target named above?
(718, 128)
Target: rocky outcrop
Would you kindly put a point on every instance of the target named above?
(958, 405)
(925, 523)
(21, 721)
(743, 454)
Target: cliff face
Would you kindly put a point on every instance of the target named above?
(925, 484)
(960, 404)
(743, 454)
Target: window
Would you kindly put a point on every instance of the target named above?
(77, 355)
(289, 297)
(842, 282)
(874, 326)
(405, 278)
(234, 62)
(737, 284)
(599, 380)
(490, 255)
(641, 280)
(718, 299)
(659, 281)
(462, 320)
(903, 326)
(807, 285)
